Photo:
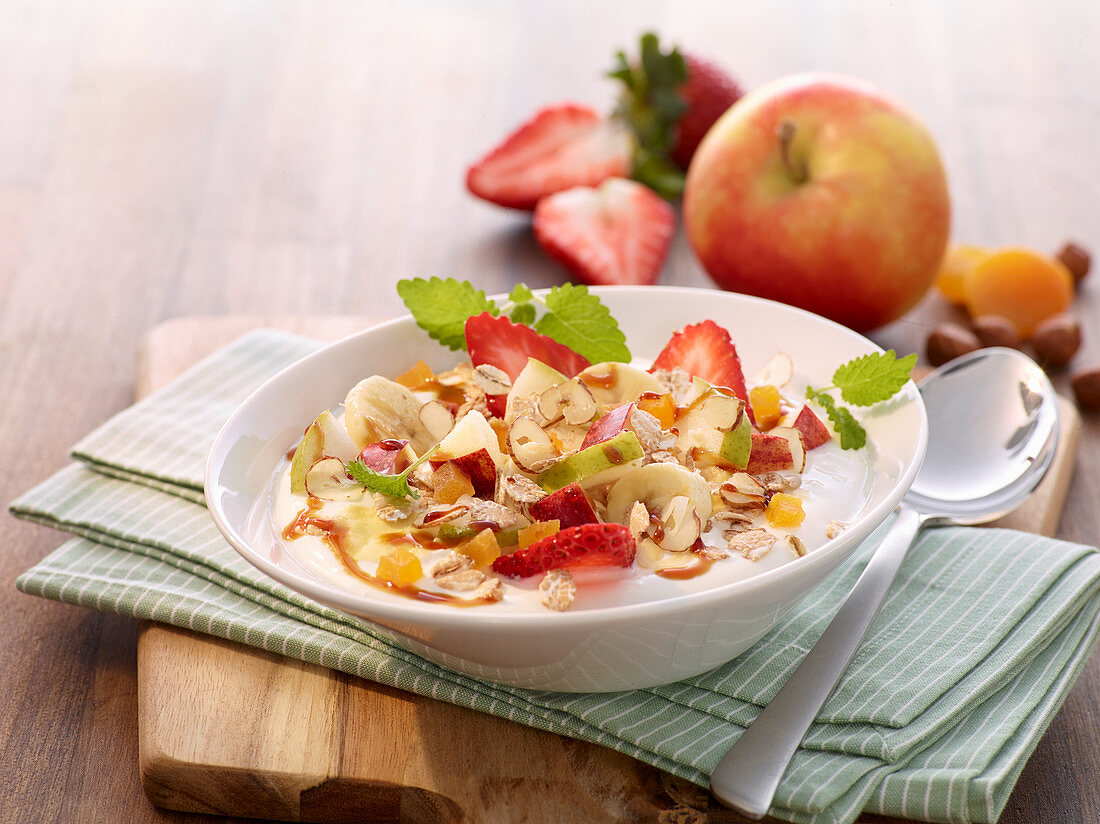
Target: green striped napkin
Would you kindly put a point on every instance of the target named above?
(973, 653)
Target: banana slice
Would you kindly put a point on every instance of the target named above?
(677, 496)
(378, 408)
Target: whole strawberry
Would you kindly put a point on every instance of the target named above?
(669, 102)
(708, 92)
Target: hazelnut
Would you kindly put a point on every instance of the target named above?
(948, 341)
(1074, 257)
(1056, 340)
(1086, 387)
(993, 330)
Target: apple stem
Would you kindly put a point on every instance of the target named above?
(785, 131)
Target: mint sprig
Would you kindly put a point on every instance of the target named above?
(571, 315)
(396, 486)
(863, 381)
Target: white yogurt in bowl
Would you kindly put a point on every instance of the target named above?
(634, 628)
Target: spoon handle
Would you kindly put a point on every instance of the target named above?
(748, 775)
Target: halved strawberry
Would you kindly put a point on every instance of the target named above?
(561, 147)
(587, 545)
(616, 233)
(507, 346)
(705, 350)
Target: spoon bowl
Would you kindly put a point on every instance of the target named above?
(993, 433)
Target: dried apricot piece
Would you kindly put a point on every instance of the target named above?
(956, 263)
(416, 377)
(400, 567)
(765, 402)
(661, 407)
(537, 531)
(1020, 285)
(483, 548)
(785, 510)
(449, 483)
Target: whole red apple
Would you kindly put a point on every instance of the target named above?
(820, 192)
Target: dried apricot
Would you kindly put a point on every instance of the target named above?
(416, 377)
(400, 567)
(449, 483)
(661, 407)
(1020, 285)
(956, 263)
(785, 510)
(765, 402)
(537, 531)
(483, 548)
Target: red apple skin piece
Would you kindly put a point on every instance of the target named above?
(769, 453)
(859, 241)
(610, 425)
(569, 505)
(388, 457)
(479, 467)
(814, 432)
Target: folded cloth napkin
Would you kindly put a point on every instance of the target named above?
(973, 653)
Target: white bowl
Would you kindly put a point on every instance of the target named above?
(593, 650)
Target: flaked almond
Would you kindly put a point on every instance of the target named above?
(745, 484)
(550, 404)
(579, 406)
(442, 514)
(437, 419)
(793, 543)
(529, 444)
(492, 380)
(680, 526)
(798, 449)
(777, 372)
(462, 580)
(327, 479)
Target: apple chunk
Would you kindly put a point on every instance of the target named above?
(479, 468)
(388, 457)
(325, 437)
(593, 465)
(568, 505)
(777, 451)
(814, 432)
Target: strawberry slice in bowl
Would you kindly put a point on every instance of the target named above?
(586, 546)
(562, 146)
(615, 234)
(706, 351)
(499, 342)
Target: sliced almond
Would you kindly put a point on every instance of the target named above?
(529, 444)
(327, 479)
(462, 580)
(550, 404)
(437, 419)
(579, 406)
(777, 372)
(492, 380)
(794, 544)
(745, 483)
(442, 514)
(798, 449)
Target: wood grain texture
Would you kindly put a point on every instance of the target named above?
(228, 729)
(299, 156)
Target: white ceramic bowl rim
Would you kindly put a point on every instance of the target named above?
(435, 615)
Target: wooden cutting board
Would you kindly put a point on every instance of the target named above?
(233, 730)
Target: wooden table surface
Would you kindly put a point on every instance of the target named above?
(185, 157)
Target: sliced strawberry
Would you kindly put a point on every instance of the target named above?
(561, 147)
(587, 545)
(614, 234)
(708, 92)
(705, 350)
(507, 346)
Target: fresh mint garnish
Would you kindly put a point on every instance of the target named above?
(396, 486)
(572, 315)
(863, 381)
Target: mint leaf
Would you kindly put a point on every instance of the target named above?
(575, 318)
(873, 378)
(524, 313)
(441, 307)
(396, 486)
(852, 435)
(521, 293)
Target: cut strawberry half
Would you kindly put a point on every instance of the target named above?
(507, 346)
(617, 233)
(587, 545)
(706, 351)
(561, 147)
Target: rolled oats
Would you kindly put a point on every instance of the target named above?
(558, 589)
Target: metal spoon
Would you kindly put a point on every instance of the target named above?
(993, 431)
